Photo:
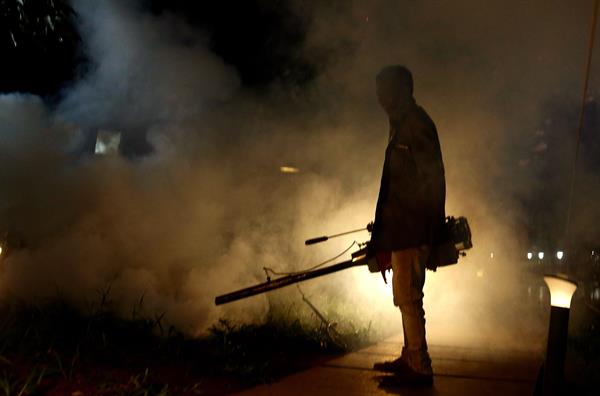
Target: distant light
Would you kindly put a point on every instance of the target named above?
(107, 143)
(492, 255)
(0, 250)
(595, 295)
(529, 256)
(561, 290)
(480, 273)
(560, 254)
(289, 169)
(541, 255)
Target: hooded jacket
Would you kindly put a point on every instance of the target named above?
(411, 204)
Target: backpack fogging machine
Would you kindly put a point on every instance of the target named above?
(456, 238)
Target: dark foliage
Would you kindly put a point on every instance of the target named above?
(52, 345)
(39, 43)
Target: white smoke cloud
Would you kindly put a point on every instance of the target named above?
(146, 70)
(209, 208)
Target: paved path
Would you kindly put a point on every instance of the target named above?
(458, 371)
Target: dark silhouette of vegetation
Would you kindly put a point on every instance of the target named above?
(39, 43)
(51, 346)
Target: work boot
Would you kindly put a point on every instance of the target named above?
(406, 378)
(391, 366)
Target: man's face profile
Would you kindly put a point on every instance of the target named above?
(391, 95)
(386, 95)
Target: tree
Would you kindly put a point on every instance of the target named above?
(40, 45)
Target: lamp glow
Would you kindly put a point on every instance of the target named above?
(541, 255)
(107, 143)
(561, 291)
(595, 294)
(529, 256)
(289, 169)
(560, 254)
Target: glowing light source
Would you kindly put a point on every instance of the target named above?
(107, 143)
(492, 255)
(529, 256)
(0, 250)
(560, 254)
(541, 255)
(480, 273)
(289, 169)
(595, 294)
(561, 290)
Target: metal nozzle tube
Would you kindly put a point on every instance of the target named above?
(312, 241)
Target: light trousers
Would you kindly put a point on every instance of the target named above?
(408, 279)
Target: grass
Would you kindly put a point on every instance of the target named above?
(11, 384)
(51, 347)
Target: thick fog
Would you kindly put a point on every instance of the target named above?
(207, 207)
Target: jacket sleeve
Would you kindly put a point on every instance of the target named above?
(427, 154)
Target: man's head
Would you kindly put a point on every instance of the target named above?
(394, 87)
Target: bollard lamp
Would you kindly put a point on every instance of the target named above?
(561, 292)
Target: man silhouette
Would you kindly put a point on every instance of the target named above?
(409, 216)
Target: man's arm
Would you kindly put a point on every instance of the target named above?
(426, 152)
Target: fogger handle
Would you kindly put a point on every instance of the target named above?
(312, 241)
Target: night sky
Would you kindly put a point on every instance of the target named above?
(261, 42)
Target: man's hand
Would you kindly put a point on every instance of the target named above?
(383, 274)
(384, 261)
(378, 261)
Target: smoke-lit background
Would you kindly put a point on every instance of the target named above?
(196, 206)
